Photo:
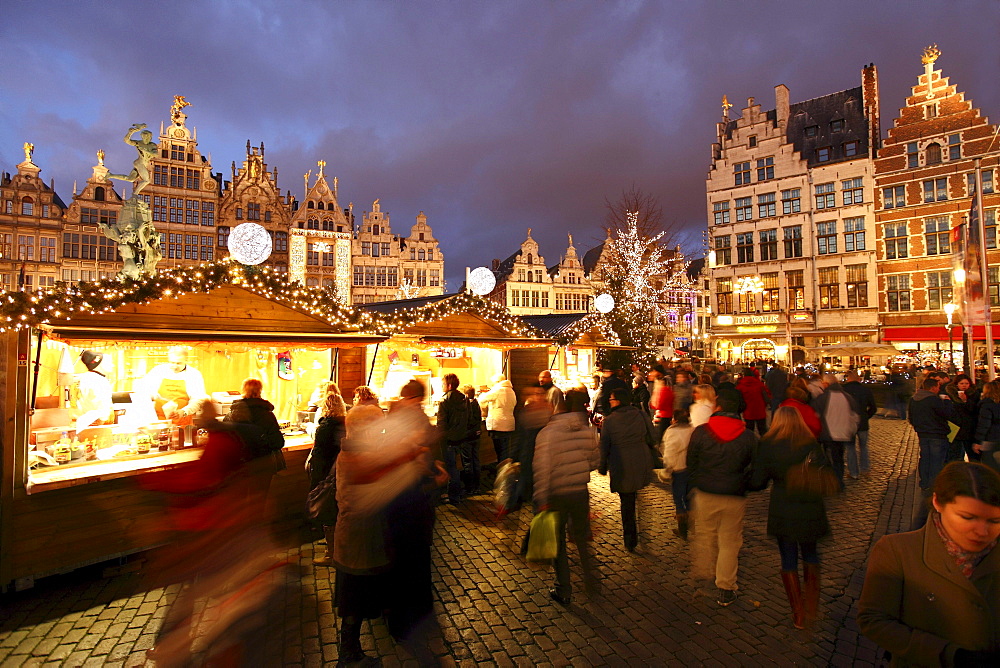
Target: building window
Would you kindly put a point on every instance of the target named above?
(385, 249)
(380, 277)
(312, 255)
(176, 152)
(744, 248)
(793, 241)
(898, 292)
(765, 169)
(369, 276)
(422, 255)
(375, 249)
(938, 289)
(987, 182)
(25, 247)
(159, 175)
(366, 248)
(990, 224)
(770, 296)
(208, 213)
(192, 212)
(993, 281)
(47, 249)
(193, 180)
(328, 256)
(954, 147)
(837, 125)
(857, 285)
(206, 248)
(741, 173)
(746, 301)
(720, 211)
(176, 177)
(937, 235)
(826, 237)
(930, 111)
(894, 197)
(744, 210)
(422, 277)
(177, 210)
(253, 211)
(826, 198)
(359, 275)
(935, 190)
(850, 149)
(723, 252)
(190, 246)
(223, 237)
(823, 154)
(768, 245)
(791, 201)
(7, 241)
(27, 206)
(436, 278)
(853, 191)
(71, 246)
(932, 154)
(752, 142)
(766, 205)
(796, 289)
(854, 234)
(896, 245)
(812, 131)
(912, 156)
(724, 295)
(393, 277)
(829, 287)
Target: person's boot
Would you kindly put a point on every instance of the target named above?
(794, 592)
(682, 526)
(327, 558)
(810, 593)
(350, 650)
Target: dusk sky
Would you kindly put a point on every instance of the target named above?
(491, 117)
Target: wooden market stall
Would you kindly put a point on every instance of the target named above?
(577, 337)
(69, 495)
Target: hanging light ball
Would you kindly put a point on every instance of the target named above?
(482, 281)
(249, 243)
(604, 303)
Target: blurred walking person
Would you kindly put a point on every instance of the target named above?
(858, 461)
(675, 447)
(626, 435)
(566, 451)
(322, 459)
(795, 520)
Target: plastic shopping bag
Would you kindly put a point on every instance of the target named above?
(543, 542)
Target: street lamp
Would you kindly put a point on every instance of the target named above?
(949, 310)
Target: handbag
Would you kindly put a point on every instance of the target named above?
(543, 541)
(813, 477)
(322, 499)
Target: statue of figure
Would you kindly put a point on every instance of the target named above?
(147, 151)
(930, 54)
(176, 115)
(125, 234)
(29, 148)
(100, 157)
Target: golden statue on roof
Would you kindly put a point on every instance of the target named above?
(931, 54)
(176, 115)
(726, 106)
(100, 157)
(29, 148)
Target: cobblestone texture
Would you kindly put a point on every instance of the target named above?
(494, 609)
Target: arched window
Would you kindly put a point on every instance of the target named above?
(933, 153)
(99, 194)
(319, 205)
(531, 277)
(310, 205)
(529, 258)
(27, 206)
(328, 225)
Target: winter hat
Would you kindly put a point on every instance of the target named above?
(91, 359)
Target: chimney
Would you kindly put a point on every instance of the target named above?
(781, 104)
(869, 91)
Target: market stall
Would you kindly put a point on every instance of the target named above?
(578, 337)
(100, 383)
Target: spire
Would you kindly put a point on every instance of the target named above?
(322, 165)
(726, 106)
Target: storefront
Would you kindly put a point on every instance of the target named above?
(103, 391)
(459, 334)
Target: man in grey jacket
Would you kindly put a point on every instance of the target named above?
(565, 454)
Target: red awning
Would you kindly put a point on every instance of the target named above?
(938, 333)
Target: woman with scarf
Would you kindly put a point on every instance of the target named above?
(932, 596)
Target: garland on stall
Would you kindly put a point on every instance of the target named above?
(462, 302)
(30, 309)
(585, 324)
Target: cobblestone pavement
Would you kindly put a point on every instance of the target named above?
(494, 608)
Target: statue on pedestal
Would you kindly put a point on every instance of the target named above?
(137, 239)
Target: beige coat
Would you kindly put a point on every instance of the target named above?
(917, 604)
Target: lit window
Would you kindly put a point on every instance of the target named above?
(896, 241)
(829, 287)
(937, 235)
(857, 285)
(723, 252)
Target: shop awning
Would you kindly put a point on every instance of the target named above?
(498, 342)
(933, 333)
(280, 339)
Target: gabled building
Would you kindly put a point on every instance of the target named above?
(526, 286)
(320, 238)
(925, 180)
(790, 219)
(86, 254)
(30, 227)
(253, 196)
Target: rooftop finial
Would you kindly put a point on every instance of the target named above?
(726, 106)
(930, 55)
(322, 164)
(176, 115)
(100, 157)
(29, 148)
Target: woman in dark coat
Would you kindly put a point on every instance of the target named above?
(322, 458)
(255, 422)
(987, 436)
(965, 397)
(796, 522)
(625, 452)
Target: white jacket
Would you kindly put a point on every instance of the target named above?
(700, 411)
(675, 446)
(500, 402)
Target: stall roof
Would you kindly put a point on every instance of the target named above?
(554, 324)
(272, 338)
(401, 304)
(497, 341)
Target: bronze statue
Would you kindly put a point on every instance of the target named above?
(147, 151)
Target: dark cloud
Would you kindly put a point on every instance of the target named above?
(490, 117)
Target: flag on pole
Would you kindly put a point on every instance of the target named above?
(975, 306)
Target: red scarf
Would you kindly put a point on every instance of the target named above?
(967, 561)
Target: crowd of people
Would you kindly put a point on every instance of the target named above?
(715, 435)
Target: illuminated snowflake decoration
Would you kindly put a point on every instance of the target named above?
(482, 281)
(249, 243)
(604, 303)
